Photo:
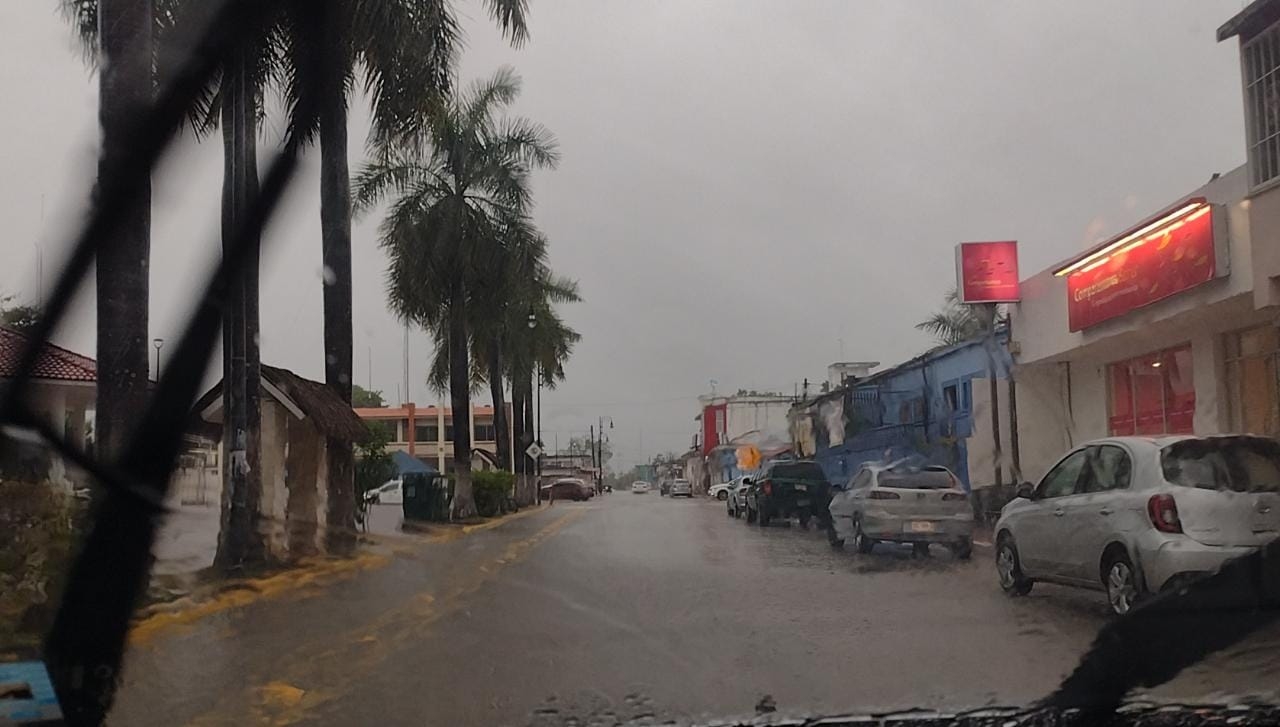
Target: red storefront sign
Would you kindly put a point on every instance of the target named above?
(1138, 269)
(987, 272)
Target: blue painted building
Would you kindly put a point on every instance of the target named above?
(923, 406)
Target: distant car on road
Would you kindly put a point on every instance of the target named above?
(736, 503)
(1134, 516)
(721, 491)
(640, 487)
(898, 503)
(569, 488)
(388, 493)
(789, 488)
(680, 488)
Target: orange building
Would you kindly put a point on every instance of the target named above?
(427, 433)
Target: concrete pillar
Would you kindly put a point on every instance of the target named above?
(412, 434)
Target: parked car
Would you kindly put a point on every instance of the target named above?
(1137, 515)
(388, 493)
(900, 503)
(789, 488)
(640, 487)
(680, 488)
(721, 491)
(568, 488)
(736, 504)
(664, 487)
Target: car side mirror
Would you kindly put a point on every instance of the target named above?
(1026, 491)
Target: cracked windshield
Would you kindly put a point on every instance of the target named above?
(535, 363)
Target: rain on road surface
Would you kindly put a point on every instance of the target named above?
(630, 606)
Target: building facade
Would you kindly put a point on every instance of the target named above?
(934, 406)
(427, 432)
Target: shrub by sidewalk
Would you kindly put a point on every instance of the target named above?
(41, 525)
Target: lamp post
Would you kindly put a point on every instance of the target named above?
(599, 453)
(537, 432)
(158, 343)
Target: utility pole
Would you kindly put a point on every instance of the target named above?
(591, 443)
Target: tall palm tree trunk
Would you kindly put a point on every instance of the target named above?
(125, 93)
(464, 504)
(524, 490)
(501, 435)
(531, 434)
(335, 232)
(240, 540)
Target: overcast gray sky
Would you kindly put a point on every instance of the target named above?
(743, 185)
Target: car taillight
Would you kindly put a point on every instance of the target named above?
(767, 487)
(954, 496)
(1163, 512)
(882, 495)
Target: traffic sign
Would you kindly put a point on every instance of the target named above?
(533, 450)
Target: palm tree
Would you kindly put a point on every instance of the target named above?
(519, 282)
(459, 187)
(404, 52)
(122, 32)
(958, 322)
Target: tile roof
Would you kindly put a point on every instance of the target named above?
(55, 363)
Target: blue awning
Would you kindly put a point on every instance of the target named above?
(408, 464)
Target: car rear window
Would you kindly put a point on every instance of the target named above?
(1238, 464)
(799, 471)
(922, 480)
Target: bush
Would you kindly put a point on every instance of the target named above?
(491, 490)
(40, 524)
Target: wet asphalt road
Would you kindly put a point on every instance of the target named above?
(631, 606)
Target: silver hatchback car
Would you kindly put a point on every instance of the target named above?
(1135, 515)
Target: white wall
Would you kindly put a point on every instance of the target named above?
(767, 415)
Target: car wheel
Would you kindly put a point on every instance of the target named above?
(804, 520)
(722, 495)
(1121, 581)
(919, 550)
(833, 537)
(963, 549)
(861, 542)
(728, 510)
(1009, 568)
(763, 517)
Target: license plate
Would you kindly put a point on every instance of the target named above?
(921, 526)
(801, 488)
(802, 503)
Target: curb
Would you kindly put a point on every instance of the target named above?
(238, 592)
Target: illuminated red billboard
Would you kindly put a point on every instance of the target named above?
(987, 272)
(1167, 256)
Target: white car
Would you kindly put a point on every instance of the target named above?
(639, 487)
(681, 488)
(721, 491)
(898, 503)
(1136, 515)
(388, 493)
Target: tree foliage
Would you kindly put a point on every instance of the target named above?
(362, 397)
(958, 322)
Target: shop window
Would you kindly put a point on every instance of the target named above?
(426, 433)
(951, 395)
(1260, 58)
(1152, 394)
(1252, 390)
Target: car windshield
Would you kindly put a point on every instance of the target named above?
(922, 480)
(1232, 464)
(798, 471)
(940, 341)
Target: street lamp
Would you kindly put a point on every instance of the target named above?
(158, 343)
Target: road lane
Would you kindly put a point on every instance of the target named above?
(634, 605)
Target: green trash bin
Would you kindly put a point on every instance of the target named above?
(427, 496)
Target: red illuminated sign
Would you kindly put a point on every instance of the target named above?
(1142, 268)
(987, 272)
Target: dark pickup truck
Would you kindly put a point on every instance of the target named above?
(789, 488)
